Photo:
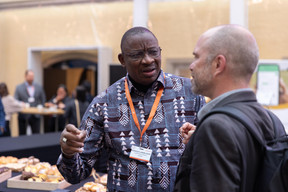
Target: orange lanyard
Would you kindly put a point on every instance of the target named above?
(152, 112)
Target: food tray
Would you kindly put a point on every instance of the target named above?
(6, 175)
(15, 182)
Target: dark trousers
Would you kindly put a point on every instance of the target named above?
(7, 130)
(53, 121)
(24, 121)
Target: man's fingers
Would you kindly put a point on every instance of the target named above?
(187, 136)
(71, 150)
(186, 127)
(74, 144)
(83, 134)
(190, 133)
(72, 129)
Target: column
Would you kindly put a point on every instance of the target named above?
(239, 12)
(140, 13)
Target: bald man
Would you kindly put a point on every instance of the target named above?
(221, 155)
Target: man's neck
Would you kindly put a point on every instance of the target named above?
(140, 87)
(29, 83)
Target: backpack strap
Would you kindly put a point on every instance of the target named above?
(279, 134)
(241, 117)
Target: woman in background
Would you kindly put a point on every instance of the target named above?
(11, 105)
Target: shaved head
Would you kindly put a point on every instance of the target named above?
(237, 44)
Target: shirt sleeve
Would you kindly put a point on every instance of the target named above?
(80, 166)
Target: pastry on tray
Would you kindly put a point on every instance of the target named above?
(99, 185)
(92, 187)
(16, 167)
(9, 159)
(41, 172)
(15, 164)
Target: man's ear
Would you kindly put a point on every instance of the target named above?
(121, 59)
(219, 64)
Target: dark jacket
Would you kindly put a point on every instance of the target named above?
(221, 155)
(21, 94)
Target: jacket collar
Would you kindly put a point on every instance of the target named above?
(238, 95)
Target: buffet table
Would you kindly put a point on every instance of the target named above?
(72, 188)
(46, 146)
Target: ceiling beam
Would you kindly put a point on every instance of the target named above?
(16, 4)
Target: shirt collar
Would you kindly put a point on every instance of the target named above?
(160, 81)
(27, 84)
(209, 106)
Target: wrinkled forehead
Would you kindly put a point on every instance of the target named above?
(140, 41)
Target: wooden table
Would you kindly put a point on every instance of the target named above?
(44, 111)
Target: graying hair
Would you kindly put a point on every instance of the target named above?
(238, 46)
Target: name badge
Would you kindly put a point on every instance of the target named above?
(31, 99)
(140, 153)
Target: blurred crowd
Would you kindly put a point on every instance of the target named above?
(30, 94)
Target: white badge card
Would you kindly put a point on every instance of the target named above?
(140, 153)
(31, 99)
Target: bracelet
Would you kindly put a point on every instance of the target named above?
(67, 155)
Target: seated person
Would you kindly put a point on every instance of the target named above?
(58, 101)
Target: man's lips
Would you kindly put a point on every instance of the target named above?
(148, 70)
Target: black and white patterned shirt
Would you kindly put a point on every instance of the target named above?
(109, 123)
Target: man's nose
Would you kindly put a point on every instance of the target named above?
(147, 58)
(191, 66)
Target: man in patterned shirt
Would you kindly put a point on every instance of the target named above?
(137, 119)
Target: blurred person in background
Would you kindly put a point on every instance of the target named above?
(33, 95)
(76, 107)
(58, 101)
(87, 86)
(2, 119)
(11, 105)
